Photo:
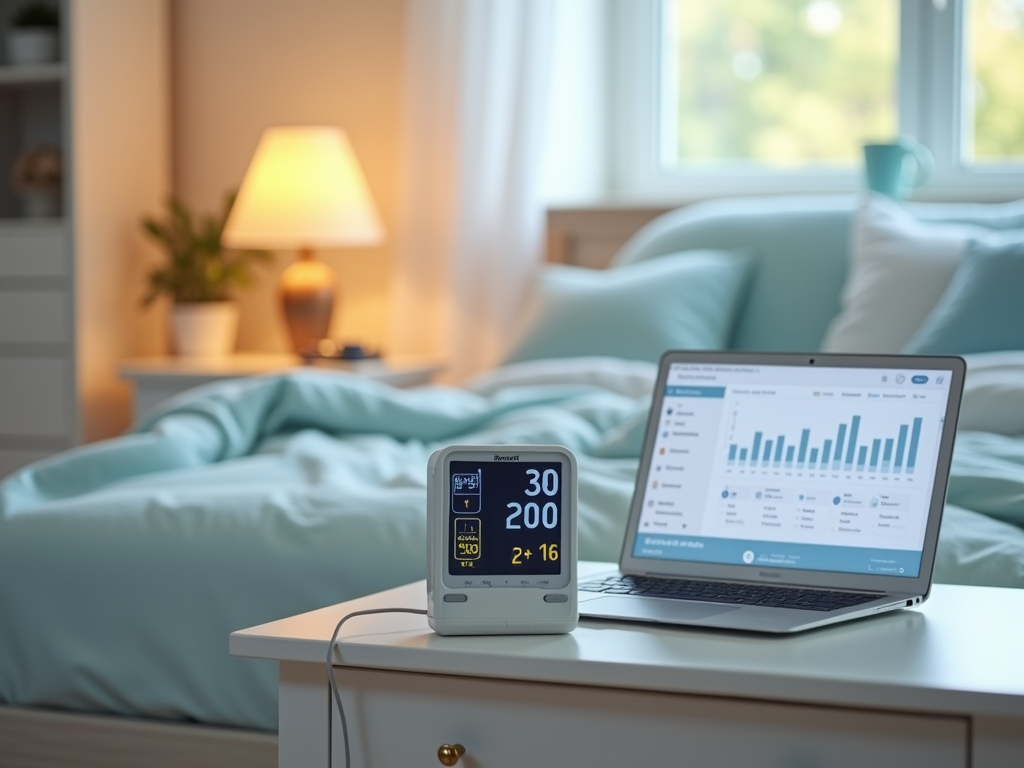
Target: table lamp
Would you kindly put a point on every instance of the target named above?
(304, 189)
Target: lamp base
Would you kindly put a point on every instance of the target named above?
(308, 289)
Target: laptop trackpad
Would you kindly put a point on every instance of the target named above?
(648, 609)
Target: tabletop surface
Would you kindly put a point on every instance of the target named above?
(960, 652)
(243, 364)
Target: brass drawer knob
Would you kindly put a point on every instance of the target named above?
(449, 754)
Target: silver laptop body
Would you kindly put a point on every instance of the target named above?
(822, 475)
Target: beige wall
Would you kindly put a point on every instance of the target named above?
(119, 135)
(239, 66)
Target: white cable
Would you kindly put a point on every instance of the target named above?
(334, 683)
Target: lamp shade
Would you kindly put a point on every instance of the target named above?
(303, 189)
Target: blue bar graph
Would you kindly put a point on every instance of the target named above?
(900, 445)
(897, 455)
(915, 436)
(805, 435)
(852, 446)
(839, 446)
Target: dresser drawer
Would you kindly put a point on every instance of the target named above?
(33, 251)
(401, 719)
(34, 397)
(33, 317)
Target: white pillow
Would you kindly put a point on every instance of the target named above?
(633, 378)
(899, 267)
(994, 393)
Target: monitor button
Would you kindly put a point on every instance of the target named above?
(556, 598)
(455, 597)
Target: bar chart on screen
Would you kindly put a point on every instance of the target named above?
(837, 466)
(899, 453)
(811, 437)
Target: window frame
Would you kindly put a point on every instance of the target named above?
(930, 88)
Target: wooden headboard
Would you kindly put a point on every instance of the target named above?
(589, 237)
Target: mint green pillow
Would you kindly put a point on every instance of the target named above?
(687, 300)
(982, 310)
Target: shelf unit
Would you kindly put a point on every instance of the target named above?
(69, 285)
(34, 74)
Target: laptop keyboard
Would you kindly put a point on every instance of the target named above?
(727, 592)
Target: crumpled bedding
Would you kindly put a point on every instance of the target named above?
(125, 565)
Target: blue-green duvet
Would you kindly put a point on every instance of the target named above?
(125, 565)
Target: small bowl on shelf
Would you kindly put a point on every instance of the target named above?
(31, 46)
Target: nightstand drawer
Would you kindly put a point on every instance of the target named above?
(403, 718)
(34, 397)
(29, 250)
(34, 317)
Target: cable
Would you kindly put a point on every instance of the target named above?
(334, 683)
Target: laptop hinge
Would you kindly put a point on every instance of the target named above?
(787, 584)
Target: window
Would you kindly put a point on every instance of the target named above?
(748, 96)
(769, 83)
(994, 91)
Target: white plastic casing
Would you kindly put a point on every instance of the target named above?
(506, 607)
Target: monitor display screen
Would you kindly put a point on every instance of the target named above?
(505, 518)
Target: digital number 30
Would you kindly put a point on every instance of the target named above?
(533, 514)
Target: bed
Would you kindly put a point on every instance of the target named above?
(125, 565)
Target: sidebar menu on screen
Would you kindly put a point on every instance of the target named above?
(682, 462)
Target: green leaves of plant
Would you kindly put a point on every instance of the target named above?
(198, 267)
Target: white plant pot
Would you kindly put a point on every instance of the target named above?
(205, 328)
(31, 45)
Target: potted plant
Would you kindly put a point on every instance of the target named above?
(198, 276)
(36, 177)
(32, 34)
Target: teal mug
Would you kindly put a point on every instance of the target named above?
(895, 168)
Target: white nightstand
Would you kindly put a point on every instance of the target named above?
(941, 685)
(158, 378)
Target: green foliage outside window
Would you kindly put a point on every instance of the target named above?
(996, 78)
(790, 83)
(785, 82)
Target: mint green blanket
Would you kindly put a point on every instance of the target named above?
(125, 565)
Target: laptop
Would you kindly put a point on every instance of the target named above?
(783, 492)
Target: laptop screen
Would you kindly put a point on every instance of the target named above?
(805, 467)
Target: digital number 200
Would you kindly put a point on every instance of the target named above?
(533, 514)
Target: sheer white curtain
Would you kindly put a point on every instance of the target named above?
(471, 217)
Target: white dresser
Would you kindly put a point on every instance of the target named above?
(70, 284)
(942, 685)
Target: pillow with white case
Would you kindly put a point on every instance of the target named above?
(993, 398)
(898, 270)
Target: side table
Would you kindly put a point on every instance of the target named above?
(158, 378)
(940, 685)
